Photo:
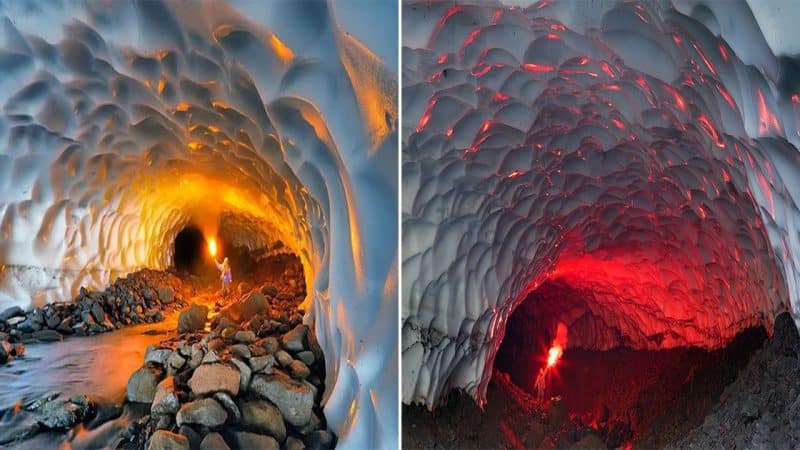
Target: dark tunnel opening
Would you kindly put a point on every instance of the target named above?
(189, 249)
(629, 396)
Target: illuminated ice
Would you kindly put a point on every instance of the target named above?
(638, 153)
(123, 122)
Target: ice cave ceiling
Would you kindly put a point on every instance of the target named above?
(638, 155)
(124, 122)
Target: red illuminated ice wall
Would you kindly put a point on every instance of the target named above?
(627, 153)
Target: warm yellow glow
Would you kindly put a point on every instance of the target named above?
(554, 355)
(284, 53)
(212, 246)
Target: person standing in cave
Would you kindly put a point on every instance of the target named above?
(225, 274)
(541, 385)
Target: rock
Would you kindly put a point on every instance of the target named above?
(556, 413)
(210, 357)
(193, 436)
(294, 399)
(246, 337)
(164, 440)
(319, 439)
(307, 357)
(299, 370)
(98, 313)
(590, 441)
(246, 440)
(271, 345)
(13, 311)
(262, 363)
(750, 409)
(262, 417)
(240, 350)
(234, 415)
(294, 340)
(157, 355)
(213, 441)
(196, 356)
(176, 361)
(192, 318)
(242, 287)
(53, 320)
(283, 358)
(244, 373)
(292, 443)
(165, 400)
(57, 414)
(17, 349)
(254, 303)
(142, 386)
(271, 291)
(206, 411)
(166, 295)
(210, 378)
(785, 339)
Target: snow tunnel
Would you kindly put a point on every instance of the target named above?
(628, 169)
(132, 131)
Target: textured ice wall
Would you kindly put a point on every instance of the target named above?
(634, 153)
(122, 122)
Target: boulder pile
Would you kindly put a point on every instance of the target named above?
(254, 381)
(141, 297)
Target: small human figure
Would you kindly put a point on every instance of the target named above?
(541, 385)
(225, 274)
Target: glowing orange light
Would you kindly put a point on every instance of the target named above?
(554, 355)
(212, 247)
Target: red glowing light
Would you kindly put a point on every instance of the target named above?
(553, 355)
(538, 68)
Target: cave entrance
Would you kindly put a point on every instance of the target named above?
(626, 395)
(189, 249)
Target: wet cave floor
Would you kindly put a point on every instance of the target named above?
(741, 396)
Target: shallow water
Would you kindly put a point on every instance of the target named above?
(98, 366)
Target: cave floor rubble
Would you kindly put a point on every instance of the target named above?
(750, 403)
(233, 371)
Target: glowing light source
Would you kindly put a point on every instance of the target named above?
(212, 247)
(554, 355)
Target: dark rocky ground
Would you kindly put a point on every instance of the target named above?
(141, 297)
(744, 396)
(242, 372)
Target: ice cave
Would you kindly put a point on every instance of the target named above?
(134, 133)
(627, 169)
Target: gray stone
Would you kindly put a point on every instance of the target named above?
(164, 440)
(292, 443)
(247, 337)
(307, 357)
(260, 416)
(284, 358)
(234, 415)
(254, 303)
(210, 357)
(98, 313)
(244, 374)
(210, 378)
(271, 345)
(13, 311)
(192, 318)
(213, 441)
(299, 370)
(750, 409)
(206, 411)
(142, 386)
(166, 295)
(47, 335)
(294, 399)
(262, 363)
(240, 350)
(165, 400)
(57, 414)
(176, 361)
(157, 355)
(246, 440)
(294, 340)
